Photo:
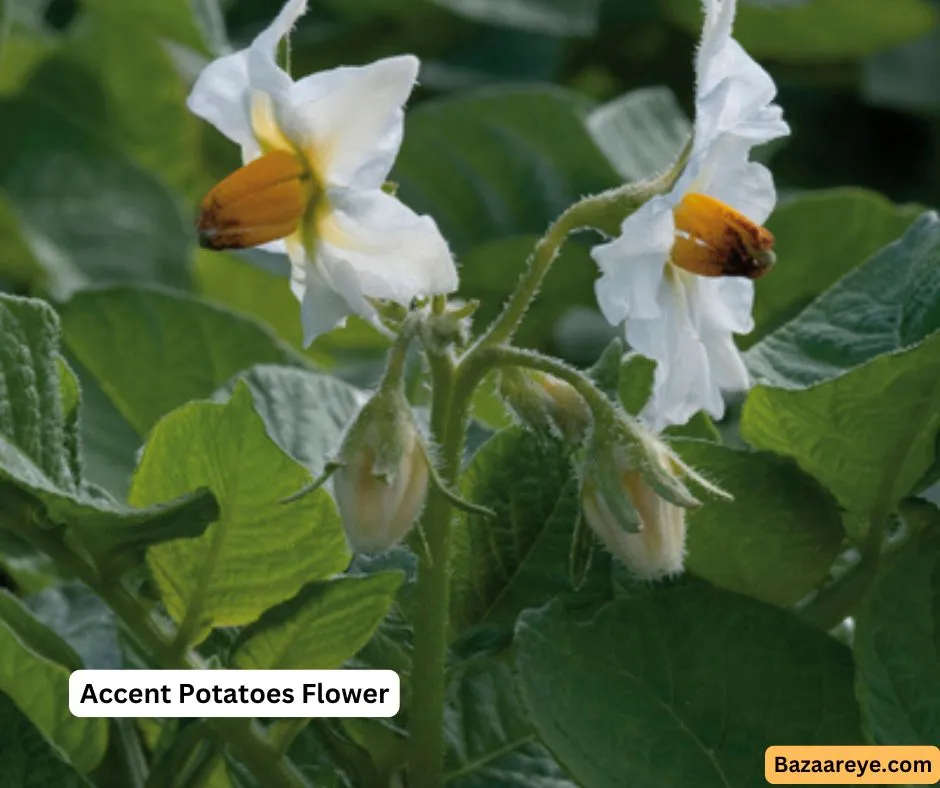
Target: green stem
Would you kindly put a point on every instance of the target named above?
(486, 359)
(544, 254)
(838, 600)
(426, 745)
(395, 365)
(604, 212)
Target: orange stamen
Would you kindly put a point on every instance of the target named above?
(260, 202)
(713, 239)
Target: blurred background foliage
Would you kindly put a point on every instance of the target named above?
(523, 106)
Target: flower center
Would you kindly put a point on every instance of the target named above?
(713, 239)
(260, 202)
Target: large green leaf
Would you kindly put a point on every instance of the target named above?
(39, 476)
(685, 686)
(85, 211)
(27, 760)
(820, 237)
(557, 17)
(260, 551)
(490, 741)
(305, 413)
(821, 30)
(499, 162)
(153, 350)
(776, 540)
(320, 628)
(518, 559)
(34, 671)
(897, 649)
(849, 389)
(640, 132)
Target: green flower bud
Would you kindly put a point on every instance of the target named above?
(634, 498)
(545, 403)
(382, 478)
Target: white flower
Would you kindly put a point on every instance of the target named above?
(382, 480)
(318, 152)
(634, 497)
(679, 274)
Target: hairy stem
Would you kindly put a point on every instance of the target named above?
(426, 746)
(603, 212)
(486, 359)
(544, 254)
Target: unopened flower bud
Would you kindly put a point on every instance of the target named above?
(545, 403)
(633, 497)
(382, 478)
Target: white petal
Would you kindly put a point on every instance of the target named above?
(725, 361)
(733, 92)
(224, 89)
(271, 36)
(221, 96)
(323, 304)
(632, 264)
(384, 248)
(729, 301)
(725, 172)
(351, 121)
(683, 382)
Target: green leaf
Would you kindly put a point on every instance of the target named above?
(86, 213)
(487, 406)
(817, 31)
(153, 350)
(27, 760)
(499, 162)
(32, 404)
(636, 382)
(641, 132)
(490, 741)
(39, 477)
(491, 271)
(265, 295)
(897, 649)
(260, 551)
(82, 620)
(304, 413)
(184, 21)
(109, 444)
(320, 628)
(900, 78)
(776, 540)
(556, 17)
(147, 117)
(683, 686)
(17, 263)
(820, 236)
(519, 559)
(34, 671)
(823, 394)
(26, 570)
